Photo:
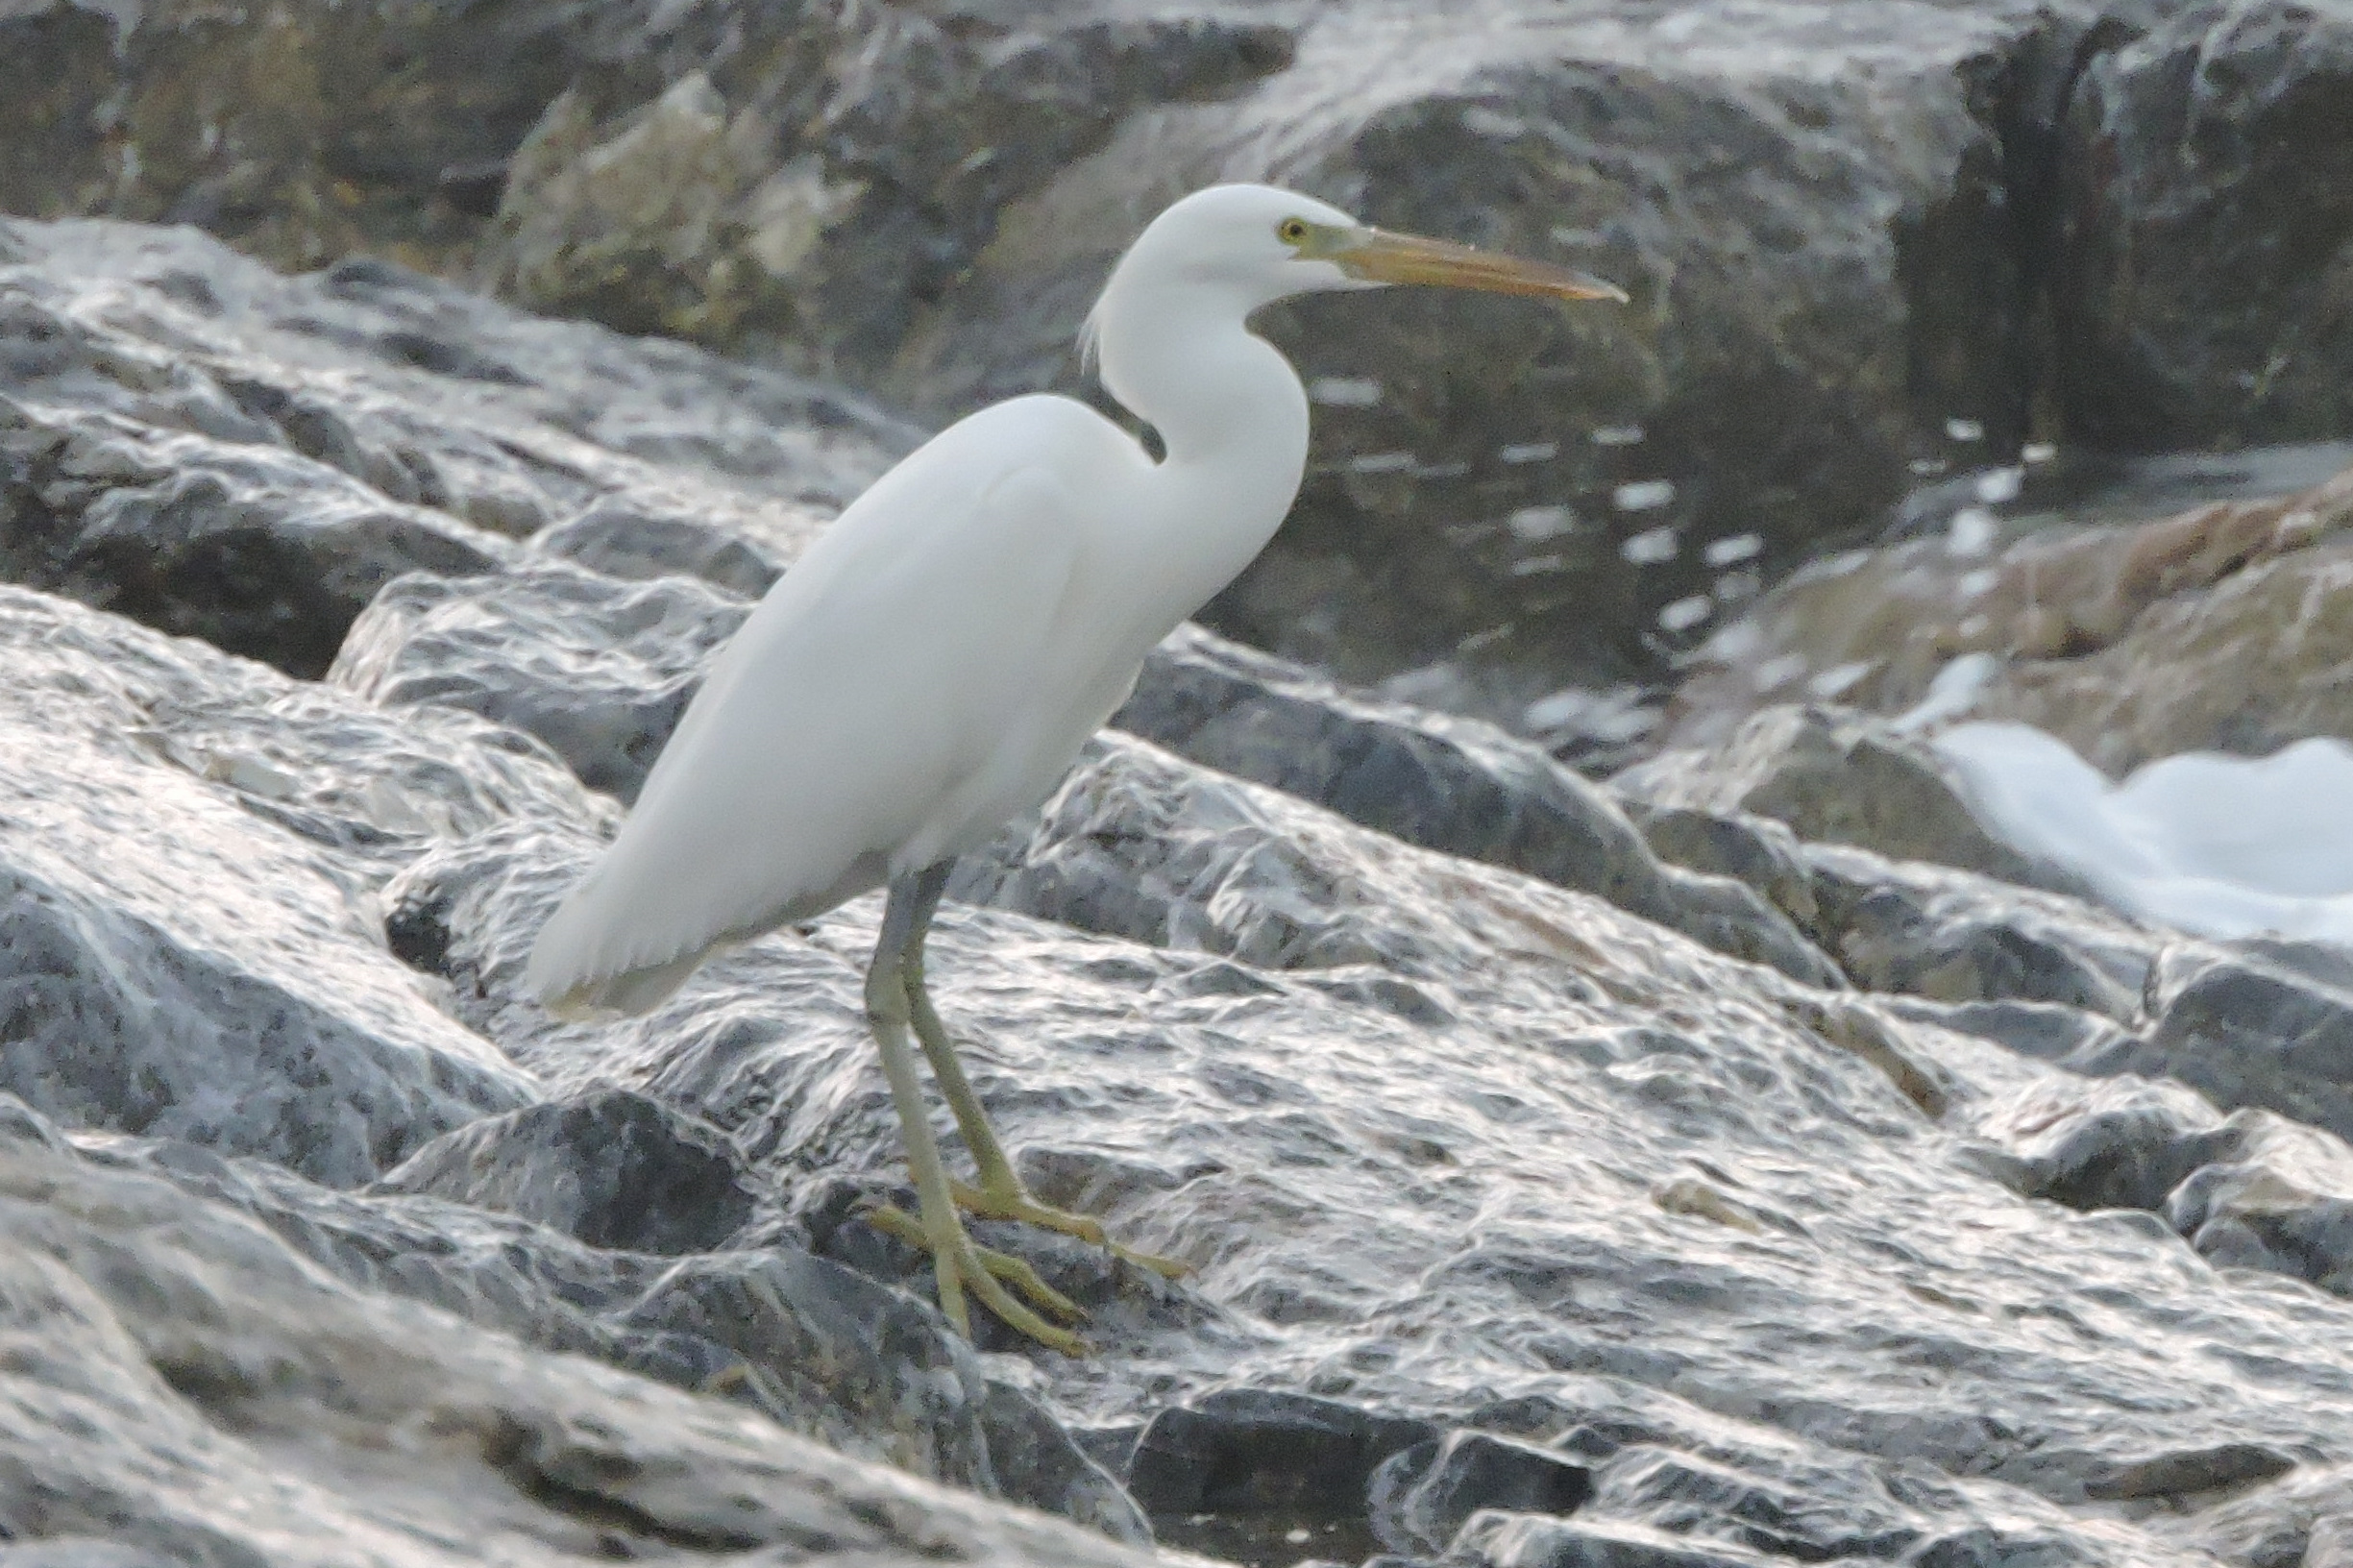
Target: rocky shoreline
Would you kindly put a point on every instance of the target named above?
(1745, 1161)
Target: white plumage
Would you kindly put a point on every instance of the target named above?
(923, 672)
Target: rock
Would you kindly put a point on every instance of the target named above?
(625, 541)
(1451, 784)
(2214, 628)
(1829, 1514)
(1837, 776)
(2281, 1198)
(1285, 1000)
(2123, 1143)
(613, 1169)
(2189, 1471)
(601, 671)
(1265, 1463)
(1933, 933)
(190, 843)
(812, 1346)
(2252, 1189)
(1421, 1495)
(2015, 964)
(169, 1361)
(2298, 1521)
(806, 185)
(2246, 1033)
(2046, 1031)
(873, 1371)
(2181, 204)
(1801, 299)
(262, 553)
(1499, 1539)
(1763, 854)
(194, 442)
(1953, 937)
(2239, 1032)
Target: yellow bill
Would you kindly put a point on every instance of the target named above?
(1385, 257)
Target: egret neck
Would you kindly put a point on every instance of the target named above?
(1233, 419)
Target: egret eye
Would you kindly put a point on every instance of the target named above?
(1292, 230)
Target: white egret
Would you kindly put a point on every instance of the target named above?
(932, 664)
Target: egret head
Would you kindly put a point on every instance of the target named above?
(1252, 245)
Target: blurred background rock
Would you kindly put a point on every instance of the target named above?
(1869, 246)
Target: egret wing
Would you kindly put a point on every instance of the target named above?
(877, 676)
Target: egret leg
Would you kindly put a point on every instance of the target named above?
(956, 1263)
(1001, 1193)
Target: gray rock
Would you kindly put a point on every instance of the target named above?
(2182, 202)
(1757, 850)
(2251, 1190)
(1838, 776)
(2298, 1522)
(1419, 1498)
(217, 450)
(1289, 1011)
(812, 1346)
(1953, 937)
(598, 669)
(613, 1169)
(263, 554)
(2245, 1032)
(2281, 1198)
(1811, 1515)
(1446, 1144)
(625, 541)
(1797, 336)
(188, 1384)
(2006, 961)
(2047, 1031)
(2183, 1472)
(1255, 1451)
(188, 845)
(2127, 1143)
(83, 1552)
(1447, 783)
(1499, 1539)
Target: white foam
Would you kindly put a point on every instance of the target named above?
(2219, 845)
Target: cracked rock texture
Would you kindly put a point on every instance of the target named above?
(1567, 1177)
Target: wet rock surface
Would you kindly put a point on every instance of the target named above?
(1423, 1496)
(615, 1170)
(202, 445)
(1836, 777)
(189, 1384)
(599, 670)
(1525, 1227)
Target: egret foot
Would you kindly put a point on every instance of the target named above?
(1001, 1201)
(957, 1263)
